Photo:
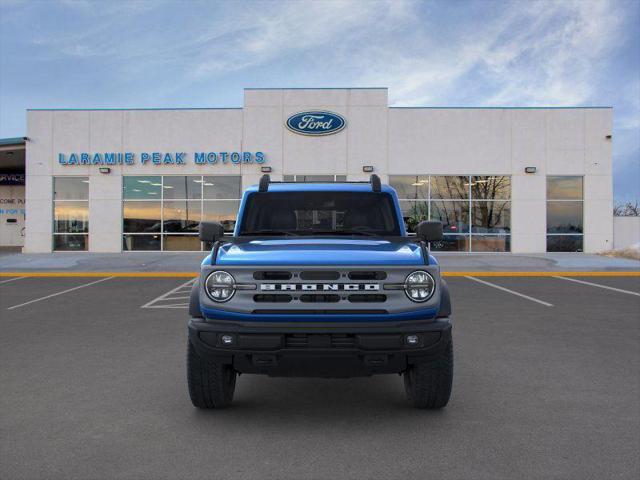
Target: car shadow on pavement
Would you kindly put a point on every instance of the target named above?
(315, 401)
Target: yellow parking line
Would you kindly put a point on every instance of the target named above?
(543, 274)
(102, 274)
(446, 274)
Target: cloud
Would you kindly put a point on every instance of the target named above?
(538, 53)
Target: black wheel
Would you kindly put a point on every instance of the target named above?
(211, 384)
(428, 384)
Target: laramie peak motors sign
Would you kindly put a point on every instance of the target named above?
(315, 123)
(160, 158)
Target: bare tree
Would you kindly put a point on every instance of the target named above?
(628, 209)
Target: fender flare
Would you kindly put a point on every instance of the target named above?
(445, 301)
(194, 300)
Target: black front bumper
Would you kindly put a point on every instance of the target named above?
(319, 349)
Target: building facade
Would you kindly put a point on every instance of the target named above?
(522, 180)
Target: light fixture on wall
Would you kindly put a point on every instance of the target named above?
(265, 169)
(530, 169)
(367, 168)
(608, 137)
(104, 170)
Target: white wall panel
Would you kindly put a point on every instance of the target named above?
(597, 125)
(565, 142)
(367, 139)
(71, 134)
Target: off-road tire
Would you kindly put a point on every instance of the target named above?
(428, 384)
(211, 384)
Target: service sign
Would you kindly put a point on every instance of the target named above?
(11, 178)
(315, 123)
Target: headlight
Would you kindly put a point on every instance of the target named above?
(419, 286)
(220, 286)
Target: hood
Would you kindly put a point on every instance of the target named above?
(319, 251)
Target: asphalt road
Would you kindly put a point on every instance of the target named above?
(547, 385)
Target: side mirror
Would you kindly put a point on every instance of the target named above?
(429, 231)
(210, 231)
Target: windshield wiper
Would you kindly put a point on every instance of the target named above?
(270, 232)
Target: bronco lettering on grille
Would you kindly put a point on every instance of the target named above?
(325, 287)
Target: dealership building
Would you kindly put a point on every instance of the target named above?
(522, 180)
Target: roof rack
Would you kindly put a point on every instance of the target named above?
(374, 180)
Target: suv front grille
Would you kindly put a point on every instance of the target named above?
(318, 290)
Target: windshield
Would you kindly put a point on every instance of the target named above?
(319, 213)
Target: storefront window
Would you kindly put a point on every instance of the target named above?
(453, 215)
(143, 188)
(70, 213)
(564, 214)
(447, 187)
(411, 186)
(188, 187)
(141, 217)
(223, 211)
(494, 187)
(164, 212)
(475, 210)
(413, 213)
(490, 217)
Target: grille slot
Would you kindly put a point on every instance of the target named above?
(312, 298)
(271, 298)
(319, 275)
(368, 275)
(271, 275)
(301, 340)
(363, 298)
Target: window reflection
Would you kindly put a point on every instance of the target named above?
(491, 243)
(491, 217)
(223, 211)
(181, 215)
(140, 242)
(413, 213)
(564, 217)
(452, 243)
(142, 187)
(225, 187)
(69, 242)
(183, 187)
(410, 186)
(564, 243)
(70, 213)
(71, 217)
(453, 215)
(492, 187)
(141, 217)
(71, 188)
(447, 187)
(564, 188)
(180, 243)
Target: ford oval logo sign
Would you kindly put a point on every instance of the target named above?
(316, 123)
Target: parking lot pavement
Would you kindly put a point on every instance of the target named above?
(93, 386)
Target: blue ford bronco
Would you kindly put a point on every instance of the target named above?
(320, 280)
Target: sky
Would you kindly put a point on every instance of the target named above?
(137, 53)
